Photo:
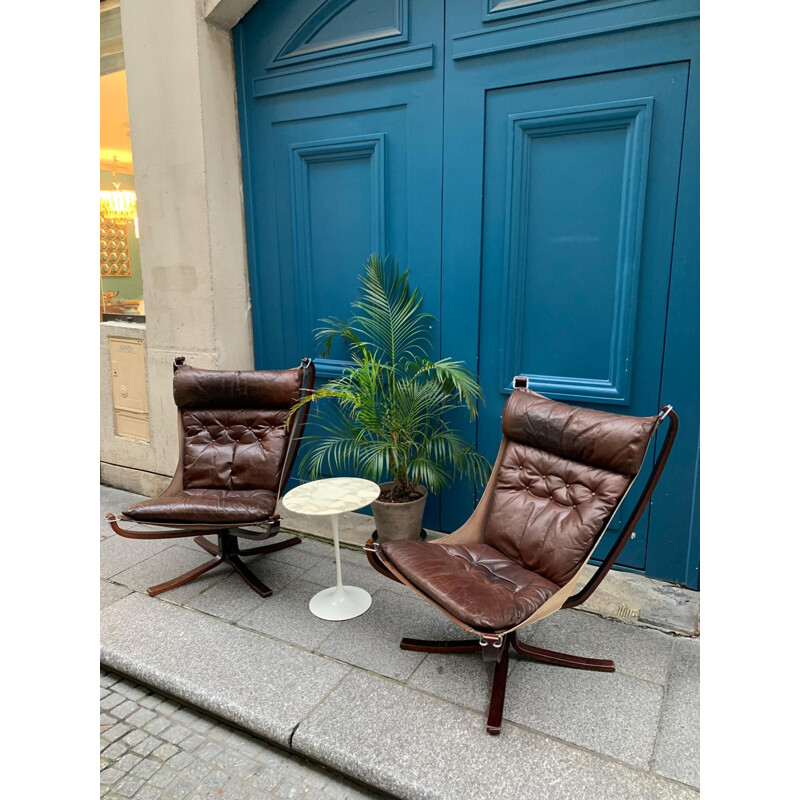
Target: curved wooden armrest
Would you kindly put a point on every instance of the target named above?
(113, 521)
(636, 515)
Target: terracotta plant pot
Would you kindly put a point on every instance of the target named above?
(399, 520)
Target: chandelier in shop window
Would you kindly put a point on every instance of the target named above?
(117, 203)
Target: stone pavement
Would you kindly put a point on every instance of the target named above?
(152, 748)
(345, 696)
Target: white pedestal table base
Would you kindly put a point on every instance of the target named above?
(340, 602)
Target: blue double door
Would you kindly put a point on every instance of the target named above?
(533, 164)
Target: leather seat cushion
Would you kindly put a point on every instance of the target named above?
(206, 507)
(476, 583)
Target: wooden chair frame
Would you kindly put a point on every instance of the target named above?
(495, 646)
(227, 549)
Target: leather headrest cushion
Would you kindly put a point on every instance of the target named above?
(612, 441)
(207, 388)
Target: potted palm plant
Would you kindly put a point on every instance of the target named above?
(391, 416)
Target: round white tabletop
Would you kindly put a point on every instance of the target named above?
(331, 497)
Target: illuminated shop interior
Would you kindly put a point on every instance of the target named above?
(121, 295)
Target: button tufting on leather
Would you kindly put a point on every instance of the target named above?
(552, 542)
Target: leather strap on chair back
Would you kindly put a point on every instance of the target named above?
(234, 426)
(563, 474)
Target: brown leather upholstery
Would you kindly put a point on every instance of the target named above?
(546, 511)
(561, 475)
(234, 446)
(227, 449)
(210, 506)
(475, 583)
(613, 441)
(208, 388)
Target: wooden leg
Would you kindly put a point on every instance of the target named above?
(209, 547)
(561, 659)
(249, 578)
(424, 646)
(498, 700)
(185, 578)
(269, 548)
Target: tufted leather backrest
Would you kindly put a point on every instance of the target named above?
(562, 474)
(234, 426)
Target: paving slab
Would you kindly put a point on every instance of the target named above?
(232, 598)
(111, 592)
(306, 555)
(118, 554)
(639, 652)
(258, 683)
(677, 751)
(286, 616)
(435, 750)
(608, 712)
(372, 641)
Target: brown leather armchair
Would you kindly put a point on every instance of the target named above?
(560, 476)
(235, 457)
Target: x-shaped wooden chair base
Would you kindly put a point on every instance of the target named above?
(499, 653)
(226, 551)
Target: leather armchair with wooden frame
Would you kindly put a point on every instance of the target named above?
(561, 474)
(235, 457)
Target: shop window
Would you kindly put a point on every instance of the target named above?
(121, 289)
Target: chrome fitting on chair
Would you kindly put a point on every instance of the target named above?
(373, 549)
(664, 413)
(520, 382)
(493, 653)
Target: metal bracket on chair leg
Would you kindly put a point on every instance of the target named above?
(374, 559)
(491, 646)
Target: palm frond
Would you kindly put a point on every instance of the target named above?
(391, 412)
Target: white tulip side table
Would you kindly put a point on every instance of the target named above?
(329, 498)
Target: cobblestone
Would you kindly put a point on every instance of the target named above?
(175, 734)
(163, 751)
(110, 700)
(123, 709)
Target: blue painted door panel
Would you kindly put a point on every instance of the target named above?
(344, 159)
(580, 186)
(533, 163)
